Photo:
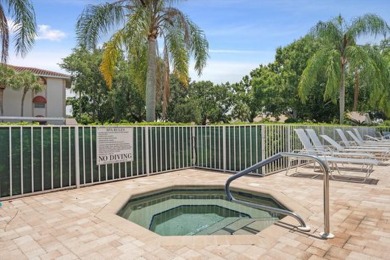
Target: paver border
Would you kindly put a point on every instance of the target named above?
(286, 224)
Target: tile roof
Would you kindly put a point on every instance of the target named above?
(41, 72)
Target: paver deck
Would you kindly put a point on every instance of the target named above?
(76, 224)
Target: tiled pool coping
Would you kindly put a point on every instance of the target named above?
(108, 214)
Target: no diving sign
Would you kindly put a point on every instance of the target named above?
(114, 145)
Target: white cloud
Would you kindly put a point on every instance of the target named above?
(45, 32)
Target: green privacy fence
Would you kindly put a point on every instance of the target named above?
(44, 158)
(227, 148)
(29, 157)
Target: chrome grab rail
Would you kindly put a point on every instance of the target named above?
(303, 227)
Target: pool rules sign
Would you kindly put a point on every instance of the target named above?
(114, 145)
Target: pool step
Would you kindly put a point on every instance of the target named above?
(238, 226)
(217, 226)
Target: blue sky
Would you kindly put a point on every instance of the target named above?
(242, 34)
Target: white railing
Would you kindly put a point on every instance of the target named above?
(43, 120)
(44, 158)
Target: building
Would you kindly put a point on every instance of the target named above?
(50, 103)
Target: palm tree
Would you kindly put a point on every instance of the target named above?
(6, 80)
(371, 73)
(27, 81)
(144, 23)
(337, 53)
(23, 16)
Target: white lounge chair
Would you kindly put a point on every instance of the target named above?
(349, 144)
(381, 154)
(367, 163)
(371, 140)
(368, 144)
(381, 138)
(339, 153)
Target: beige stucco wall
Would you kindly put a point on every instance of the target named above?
(55, 97)
(54, 94)
(12, 103)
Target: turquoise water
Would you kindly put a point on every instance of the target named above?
(187, 220)
(190, 212)
(186, 225)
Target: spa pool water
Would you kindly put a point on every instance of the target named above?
(199, 211)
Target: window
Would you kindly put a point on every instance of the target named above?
(39, 105)
(39, 102)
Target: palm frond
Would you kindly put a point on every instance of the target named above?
(372, 70)
(22, 12)
(330, 32)
(6, 76)
(4, 31)
(135, 32)
(368, 65)
(192, 36)
(179, 54)
(26, 81)
(111, 52)
(173, 17)
(333, 75)
(96, 20)
(309, 76)
(199, 47)
(368, 24)
(384, 104)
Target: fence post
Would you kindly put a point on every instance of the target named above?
(262, 142)
(194, 140)
(224, 147)
(77, 156)
(10, 161)
(147, 155)
(289, 138)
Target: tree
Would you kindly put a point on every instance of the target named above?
(380, 95)
(88, 84)
(6, 76)
(144, 22)
(94, 102)
(375, 92)
(246, 105)
(337, 53)
(213, 102)
(290, 62)
(182, 108)
(23, 15)
(268, 89)
(26, 81)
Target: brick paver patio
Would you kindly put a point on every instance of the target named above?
(76, 224)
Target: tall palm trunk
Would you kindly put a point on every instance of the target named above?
(1, 101)
(22, 103)
(356, 91)
(342, 92)
(166, 94)
(150, 95)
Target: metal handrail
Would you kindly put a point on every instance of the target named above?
(303, 227)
